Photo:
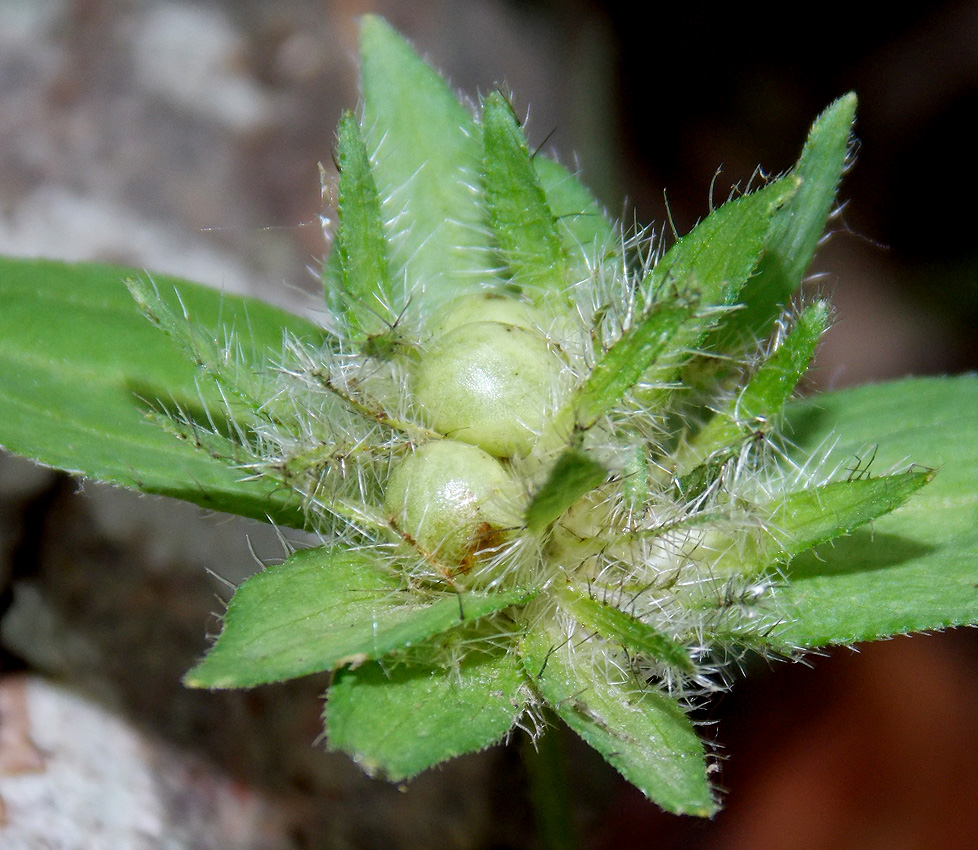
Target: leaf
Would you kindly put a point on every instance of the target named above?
(426, 153)
(796, 228)
(819, 514)
(763, 398)
(321, 609)
(710, 264)
(368, 303)
(622, 365)
(718, 255)
(805, 518)
(407, 718)
(573, 475)
(521, 220)
(213, 351)
(643, 733)
(621, 627)
(77, 357)
(918, 567)
(588, 235)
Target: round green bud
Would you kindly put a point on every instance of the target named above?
(454, 502)
(491, 384)
(487, 306)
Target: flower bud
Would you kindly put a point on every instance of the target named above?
(454, 502)
(491, 384)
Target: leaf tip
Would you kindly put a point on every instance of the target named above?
(202, 677)
(378, 36)
(193, 679)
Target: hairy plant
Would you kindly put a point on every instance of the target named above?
(554, 465)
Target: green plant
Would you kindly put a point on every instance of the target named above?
(555, 468)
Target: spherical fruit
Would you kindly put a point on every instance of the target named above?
(491, 384)
(456, 504)
(487, 306)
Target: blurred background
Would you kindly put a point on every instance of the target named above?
(184, 138)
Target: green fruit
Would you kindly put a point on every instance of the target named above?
(491, 384)
(456, 504)
(488, 306)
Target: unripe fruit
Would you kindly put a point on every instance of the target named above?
(487, 307)
(454, 502)
(490, 384)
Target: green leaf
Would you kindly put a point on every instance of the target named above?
(718, 255)
(77, 358)
(622, 365)
(819, 514)
(426, 153)
(214, 351)
(573, 475)
(800, 520)
(407, 718)
(521, 220)
(711, 264)
(621, 627)
(588, 235)
(321, 609)
(796, 228)
(917, 569)
(764, 396)
(368, 303)
(643, 733)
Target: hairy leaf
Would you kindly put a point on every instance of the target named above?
(521, 220)
(917, 568)
(622, 365)
(324, 608)
(819, 514)
(426, 153)
(764, 396)
(368, 302)
(710, 265)
(643, 733)
(400, 719)
(796, 228)
(619, 626)
(80, 366)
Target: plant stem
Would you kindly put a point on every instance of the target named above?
(545, 763)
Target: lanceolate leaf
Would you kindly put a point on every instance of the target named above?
(809, 517)
(210, 350)
(400, 719)
(573, 475)
(522, 222)
(80, 366)
(916, 568)
(759, 404)
(426, 153)
(369, 302)
(711, 264)
(718, 255)
(587, 233)
(324, 608)
(619, 626)
(624, 363)
(644, 734)
(796, 228)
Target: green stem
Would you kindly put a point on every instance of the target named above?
(546, 770)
